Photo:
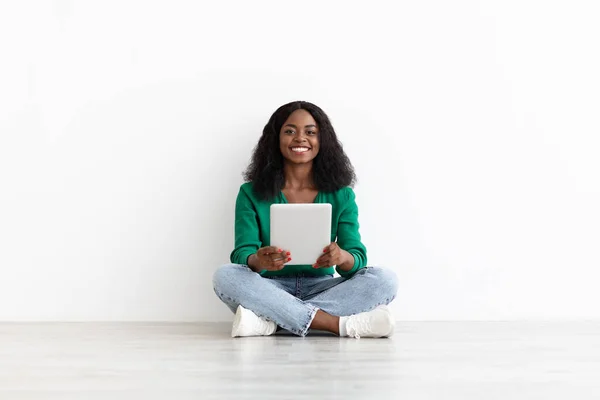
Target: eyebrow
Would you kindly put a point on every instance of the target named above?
(306, 126)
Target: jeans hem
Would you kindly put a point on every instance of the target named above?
(311, 316)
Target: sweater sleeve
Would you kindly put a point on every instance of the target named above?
(247, 239)
(348, 237)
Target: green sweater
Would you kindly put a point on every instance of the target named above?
(252, 229)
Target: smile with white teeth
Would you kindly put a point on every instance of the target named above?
(300, 149)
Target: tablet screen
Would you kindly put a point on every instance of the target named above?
(304, 229)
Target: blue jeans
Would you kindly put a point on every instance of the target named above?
(292, 301)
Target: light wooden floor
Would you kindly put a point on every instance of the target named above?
(429, 360)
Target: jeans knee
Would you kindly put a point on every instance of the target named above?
(224, 277)
(387, 281)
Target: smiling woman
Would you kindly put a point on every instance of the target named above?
(299, 159)
(299, 137)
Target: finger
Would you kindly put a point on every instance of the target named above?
(334, 255)
(324, 262)
(333, 259)
(272, 265)
(278, 256)
(286, 254)
(278, 261)
(330, 254)
(323, 258)
(275, 256)
(270, 250)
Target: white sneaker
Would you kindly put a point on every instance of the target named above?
(246, 323)
(375, 323)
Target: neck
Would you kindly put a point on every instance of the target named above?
(298, 176)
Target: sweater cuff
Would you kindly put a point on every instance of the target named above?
(242, 257)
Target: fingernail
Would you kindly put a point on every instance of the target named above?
(288, 253)
(280, 250)
(289, 259)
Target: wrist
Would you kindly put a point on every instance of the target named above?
(253, 262)
(348, 262)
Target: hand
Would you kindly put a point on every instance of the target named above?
(333, 255)
(269, 258)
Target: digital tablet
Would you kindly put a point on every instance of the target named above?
(304, 229)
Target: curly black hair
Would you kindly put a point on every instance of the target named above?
(332, 169)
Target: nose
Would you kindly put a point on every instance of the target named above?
(300, 138)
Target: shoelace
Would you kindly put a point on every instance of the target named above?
(359, 325)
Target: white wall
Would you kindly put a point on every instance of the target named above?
(125, 126)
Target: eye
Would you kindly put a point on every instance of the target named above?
(288, 132)
(311, 133)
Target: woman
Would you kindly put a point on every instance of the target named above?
(299, 159)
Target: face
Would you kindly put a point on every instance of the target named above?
(299, 138)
